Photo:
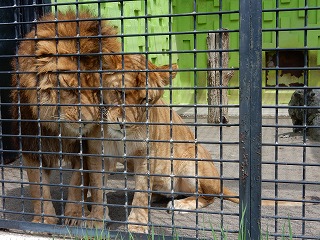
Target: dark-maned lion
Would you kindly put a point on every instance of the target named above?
(55, 102)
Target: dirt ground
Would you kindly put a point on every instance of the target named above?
(298, 161)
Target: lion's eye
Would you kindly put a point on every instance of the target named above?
(145, 100)
(64, 83)
(49, 55)
(72, 91)
(120, 93)
(75, 92)
(44, 90)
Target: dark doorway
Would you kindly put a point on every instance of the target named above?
(283, 60)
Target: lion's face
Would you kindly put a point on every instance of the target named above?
(130, 93)
(69, 100)
(74, 95)
(59, 79)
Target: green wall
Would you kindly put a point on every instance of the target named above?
(187, 42)
(292, 39)
(155, 43)
(185, 85)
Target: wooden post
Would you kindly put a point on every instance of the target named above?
(218, 96)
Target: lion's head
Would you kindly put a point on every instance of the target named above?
(135, 86)
(57, 79)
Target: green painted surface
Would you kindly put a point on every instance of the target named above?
(287, 39)
(157, 43)
(292, 39)
(209, 21)
(187, 81)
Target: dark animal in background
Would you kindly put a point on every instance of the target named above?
(310, 115)
(297, 114)
(313, 114)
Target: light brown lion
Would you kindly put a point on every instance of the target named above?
(153, 149)
(55, 103)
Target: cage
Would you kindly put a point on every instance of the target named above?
(106, 125)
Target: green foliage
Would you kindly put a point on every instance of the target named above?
(101, 235)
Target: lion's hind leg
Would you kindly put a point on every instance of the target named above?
(189, 203)
(193, 202)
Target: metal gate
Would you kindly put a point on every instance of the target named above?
(91, 60)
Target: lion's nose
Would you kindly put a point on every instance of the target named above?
(104, 110)
(120, 122)
(83, 122)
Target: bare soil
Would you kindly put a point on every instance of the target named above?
(290, 171)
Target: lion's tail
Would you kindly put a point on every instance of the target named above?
(233, 198)
(279, 203)
(227, 192)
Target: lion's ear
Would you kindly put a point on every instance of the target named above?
(167, 75)
(159, 76)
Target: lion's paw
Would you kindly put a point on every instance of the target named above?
(137, 228)
(46, 220)
(95, 222)
(74, 215)
(180, 205)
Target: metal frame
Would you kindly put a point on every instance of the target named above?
(250, 124)
(250, 215)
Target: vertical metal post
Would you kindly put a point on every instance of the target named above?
(250, 112)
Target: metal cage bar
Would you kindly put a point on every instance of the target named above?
(250, 117)
(250, 152)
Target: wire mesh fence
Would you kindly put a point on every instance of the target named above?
(196, 119)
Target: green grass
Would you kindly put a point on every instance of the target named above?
(101, 235)
(222, 233)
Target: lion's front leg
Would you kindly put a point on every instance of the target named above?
(43, 210)
(141, 200)
(99, 212)
(75, 208)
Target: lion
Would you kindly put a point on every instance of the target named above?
(56, 102)
(158, 150)
(162, 144)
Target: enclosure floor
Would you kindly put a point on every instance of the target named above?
(232, 111)
(221, 214)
